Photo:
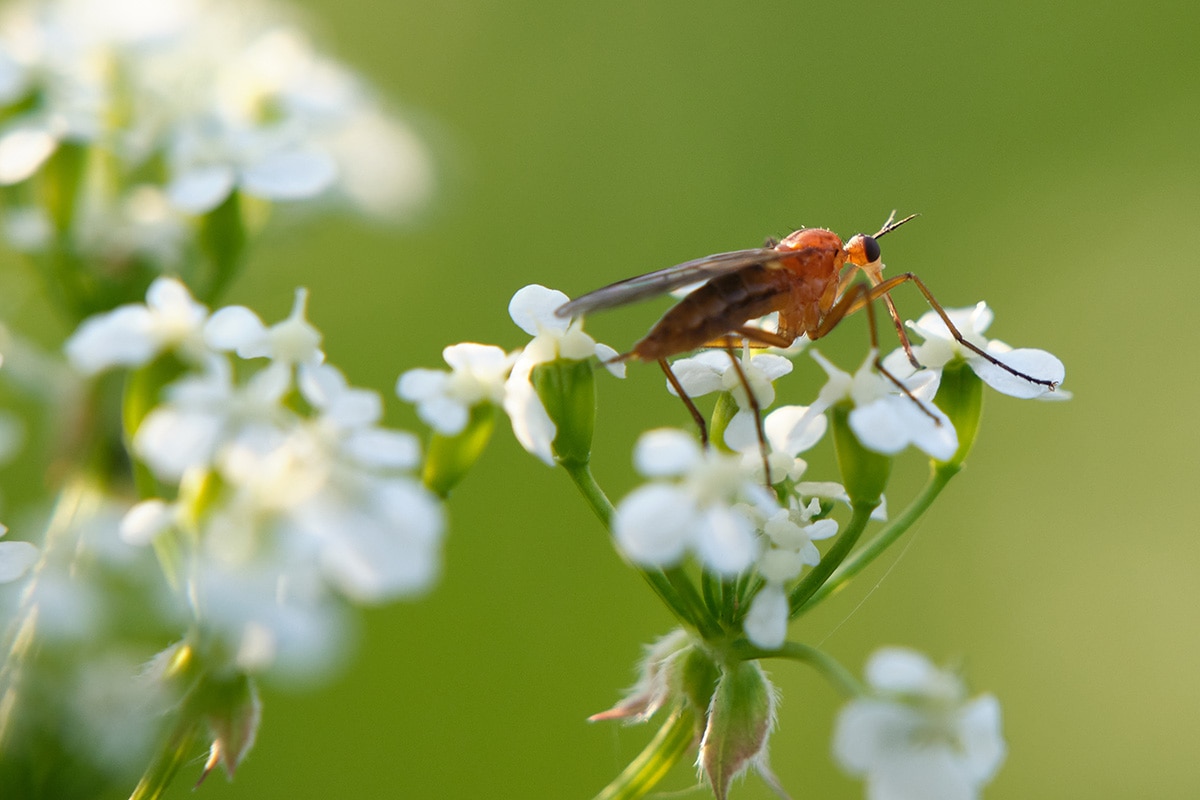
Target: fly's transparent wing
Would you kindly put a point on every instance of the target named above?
(664, 280)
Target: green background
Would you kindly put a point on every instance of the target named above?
(1051, 150)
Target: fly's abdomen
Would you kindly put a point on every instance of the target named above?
(715, 309)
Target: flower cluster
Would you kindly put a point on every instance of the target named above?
(281, 479)
(485, 376)
(179, 104)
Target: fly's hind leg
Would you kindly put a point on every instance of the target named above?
(757, 411)
(687, 401)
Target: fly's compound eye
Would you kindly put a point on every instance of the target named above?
(862, 249)
(870, 249)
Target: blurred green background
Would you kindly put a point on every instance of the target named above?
(1051, 150)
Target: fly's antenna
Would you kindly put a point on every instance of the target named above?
(891, 225)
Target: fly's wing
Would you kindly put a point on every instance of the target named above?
(664, 280)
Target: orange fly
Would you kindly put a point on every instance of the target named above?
(808, 278)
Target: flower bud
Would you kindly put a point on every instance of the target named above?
(739, 721)
(865, 472)
(723, 413)
(960, 396)
(568, 393)
(450, 457)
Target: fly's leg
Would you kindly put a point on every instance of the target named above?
(757, 411)
(883, 289)
(687, 401)
(860, 295)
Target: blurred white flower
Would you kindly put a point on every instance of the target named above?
(532, 309)
(713, 371)
(884, 419)
(940, 348)
(228, 95)
(444, 400)
(918, 736)
(294, 341)
(132, 335)
(698, 500)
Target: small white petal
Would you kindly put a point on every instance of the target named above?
(1035, 363)
(794, 429)
(983, 746)
(200, 190)
(772, 366)
(651, 525)
(725, 541)
(900, 670)
(700, 374)
(232, 328)
(532, 308)
(23, 151)
(530, 423)
(767, 618)
(607, 355)
(382, 448)
(295, 175)
(445, 415)
(741, 434)
(665, 452)
(473, 357)
(419, 385)
(121, 337)
(145, 521)
(171, 440)
(15, 560)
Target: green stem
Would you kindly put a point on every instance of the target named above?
(652, 764)
(938, 478)
(812, 582)
(842, 679)
(672, 586)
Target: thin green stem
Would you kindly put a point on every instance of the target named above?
(652, 764)
(673, 587)
(938, 478)
(812, 582)
(842, 679)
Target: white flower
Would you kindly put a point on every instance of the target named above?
(713, 371)
(444, 399)
(292, 341)
(15, 558)
(940, 348)
(790, 430)
(789, 534)
(132, 335)
(918, 737)
(883, 419)
(205, 412)
(700, 500)
(532, 309)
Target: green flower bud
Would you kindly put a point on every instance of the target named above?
(739, 721)
(725, 409)
(960, 396)
(865, 473)
(450, 457)
(568, 392)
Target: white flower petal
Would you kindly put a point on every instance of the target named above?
(700, 374)
(419, 385)
(200, 190)
(293, 175)
(23, 150)
(772, 366)
(1035, 363)
(983, 748)
(145, 521)
(665, 452)
(472, 357)
(725, 541)
(232, 328)
(767, 618)
(607, 356)
(794, 429)
(651, 525)
(445, 415)
(899, 670)
(15, 560)
(382, 448)
(172, 440)
(121, 337)
(532, 309)
(741, 434)
(530, 423)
